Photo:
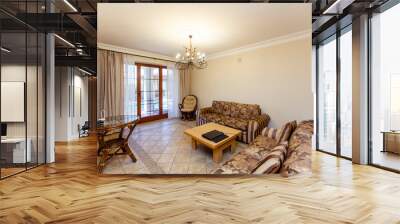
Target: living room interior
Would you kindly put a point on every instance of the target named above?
(72, 153)
(155, 80)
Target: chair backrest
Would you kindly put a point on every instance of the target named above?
(86, 125)
(127, 132)
(190, 102)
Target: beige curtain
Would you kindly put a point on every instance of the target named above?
(110, 83)
(184, 83)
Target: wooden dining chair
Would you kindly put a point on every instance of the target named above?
(113, 142)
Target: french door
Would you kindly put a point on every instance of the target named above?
(150, 91)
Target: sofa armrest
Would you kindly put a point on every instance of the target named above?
(206, 110)
(200, 120)
(256, 125)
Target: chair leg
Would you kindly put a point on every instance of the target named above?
(193, 116)
(102, 162)
(126, 149)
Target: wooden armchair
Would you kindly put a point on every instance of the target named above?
(114, 141)
(188, 107)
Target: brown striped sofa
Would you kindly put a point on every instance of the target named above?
(286, 150)
(245, 117)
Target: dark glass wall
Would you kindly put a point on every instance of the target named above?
(22, 63)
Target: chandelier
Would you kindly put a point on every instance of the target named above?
(191, 58)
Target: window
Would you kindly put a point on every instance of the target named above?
(385, 89)
(145, 90)
(327, 96)
(346, 93)
(334, 111)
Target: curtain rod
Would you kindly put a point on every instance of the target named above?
(138, 55)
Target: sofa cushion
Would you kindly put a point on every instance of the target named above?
(218, 106)
(246, 161)
(302, 134)
(237, 110)
(235, 122)
(299, 150)
(241, 163)
(273, 160)
(263, 142)
(213, 117)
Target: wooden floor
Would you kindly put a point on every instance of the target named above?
(70, 191)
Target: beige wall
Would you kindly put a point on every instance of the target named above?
(278, 78)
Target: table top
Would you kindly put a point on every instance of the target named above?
(14, 140)
(198, 131)
(116, 121)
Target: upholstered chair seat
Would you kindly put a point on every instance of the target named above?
(188, 107)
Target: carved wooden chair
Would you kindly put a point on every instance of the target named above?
(112, 141)
(188, 107)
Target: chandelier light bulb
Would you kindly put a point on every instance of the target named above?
(191, 58)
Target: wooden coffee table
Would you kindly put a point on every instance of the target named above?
(217, 148)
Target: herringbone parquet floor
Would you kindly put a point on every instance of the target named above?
(70, 191)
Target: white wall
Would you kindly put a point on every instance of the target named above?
(33, 126)
(17, 73)
(278, 78)
(67, 117)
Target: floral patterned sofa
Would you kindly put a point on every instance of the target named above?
(245, 117)
(286, 150)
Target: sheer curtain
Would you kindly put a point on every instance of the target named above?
(173, 92)
(130, 86)
(117, 84)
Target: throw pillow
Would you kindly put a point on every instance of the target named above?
(280, 134)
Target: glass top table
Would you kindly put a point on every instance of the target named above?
(116, 121)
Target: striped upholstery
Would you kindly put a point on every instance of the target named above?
(280, 134)
(265, 155)
(256, 160)
(249, 113)
(273, 160)
(299, 150)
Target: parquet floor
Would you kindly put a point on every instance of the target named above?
(70, 191)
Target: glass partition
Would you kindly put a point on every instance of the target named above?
(13, 86)
(22, 66)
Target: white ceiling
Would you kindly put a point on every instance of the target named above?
(164, 28)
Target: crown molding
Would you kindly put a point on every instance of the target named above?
(111, 47)
(262, 44)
